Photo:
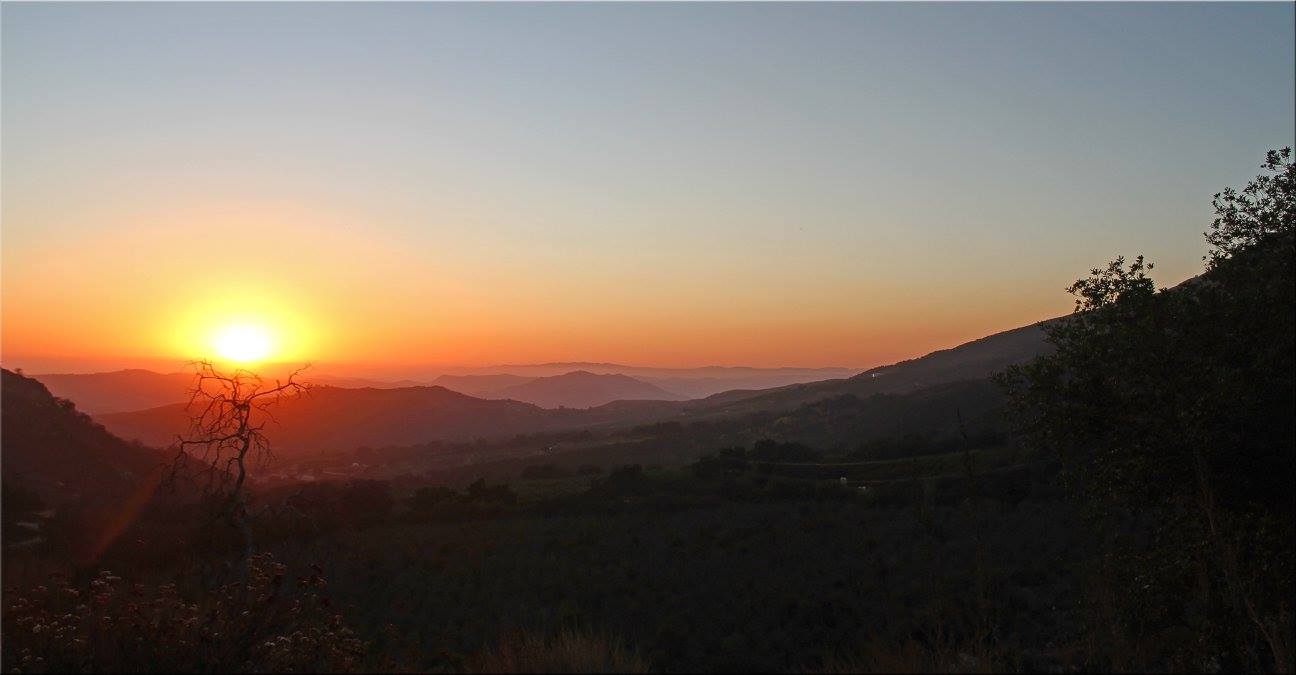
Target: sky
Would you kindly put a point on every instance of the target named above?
(387, 188)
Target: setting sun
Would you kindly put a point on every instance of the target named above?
(243, 343)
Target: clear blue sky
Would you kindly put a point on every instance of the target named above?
(675, 184)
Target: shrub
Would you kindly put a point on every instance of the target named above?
(429, 498)
(544, 471)
(259, 624)
(478, 491)
(774, 451)
(357, 503)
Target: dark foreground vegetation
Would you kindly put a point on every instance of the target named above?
(1121, 503)
(737, 569)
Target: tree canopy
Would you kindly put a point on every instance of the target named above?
(1172, 410)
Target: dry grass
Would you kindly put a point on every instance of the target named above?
(917, 657)
(569, 651)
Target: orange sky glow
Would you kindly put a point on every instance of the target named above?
(392, 188)
(122, 298)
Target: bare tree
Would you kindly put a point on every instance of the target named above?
(228, 414)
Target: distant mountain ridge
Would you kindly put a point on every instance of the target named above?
(678, 382)
(604, 368)
(137, 389)
(973, 360)
(336, 418)
(481, 386)
(583, 389)
(333, 418)
(576, 389)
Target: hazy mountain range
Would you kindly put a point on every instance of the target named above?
(546, 385)
(583, 389)
(136, 389)
(680, 382)
(576, 389)
(333, 418)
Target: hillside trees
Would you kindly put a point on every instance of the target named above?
(1172, 411)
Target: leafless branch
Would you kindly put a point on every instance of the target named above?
(228, 414)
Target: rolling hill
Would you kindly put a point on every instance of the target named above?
(481, 386)
(59, 453)
(118, 391)
(684, 382)
(974, 360)
(139, 389)
(335, 418)
(332, 418)
(583, 389)
(136, 389)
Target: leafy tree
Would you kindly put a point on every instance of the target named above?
(329, 506)
(479, 491)
(366, 502)
(1172, 411)
(726, 462)
(427, 498)
(544, 471)
(774, 451)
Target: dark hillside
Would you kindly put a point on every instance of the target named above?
(333, 418)
(974, 360)
(59, 453)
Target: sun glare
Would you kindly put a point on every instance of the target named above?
(242, 343)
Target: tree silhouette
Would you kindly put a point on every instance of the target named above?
(1172, 412)
(228, 414)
